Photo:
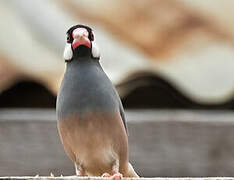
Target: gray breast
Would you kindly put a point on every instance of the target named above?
(86, 87)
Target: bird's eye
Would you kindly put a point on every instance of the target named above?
(68, 38)
(91, 36)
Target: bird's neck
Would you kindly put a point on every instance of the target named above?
(82, 62)
(82, 51)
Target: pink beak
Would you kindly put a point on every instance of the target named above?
(80, 36)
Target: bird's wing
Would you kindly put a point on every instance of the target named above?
(122, 114)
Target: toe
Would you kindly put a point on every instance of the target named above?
(117, 176)
(106, 175)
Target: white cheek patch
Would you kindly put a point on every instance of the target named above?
(95, 50)
(67, 54)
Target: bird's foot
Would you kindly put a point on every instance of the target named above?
(115, 176)
(106, 175)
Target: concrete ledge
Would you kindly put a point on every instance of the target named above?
(101, 178)
(162, 143)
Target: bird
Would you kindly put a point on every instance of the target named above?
(90, 116)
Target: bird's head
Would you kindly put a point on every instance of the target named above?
(80, 43)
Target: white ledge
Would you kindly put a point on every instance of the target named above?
(101, 178)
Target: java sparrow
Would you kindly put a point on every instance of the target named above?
(91, 120)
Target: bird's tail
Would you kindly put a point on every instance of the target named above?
(131, 172)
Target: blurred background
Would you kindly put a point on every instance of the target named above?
(172, 62)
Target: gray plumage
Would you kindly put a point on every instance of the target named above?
(86, 87)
